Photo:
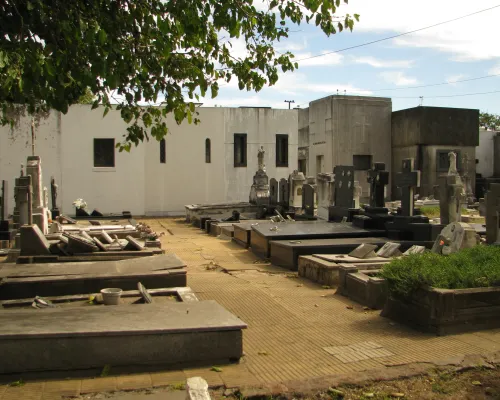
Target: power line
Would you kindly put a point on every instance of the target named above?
(399, 35)
(435, 84)
(443, 96)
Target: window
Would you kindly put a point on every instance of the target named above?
(163, 151)
(302, 166)
(208, 152)
(104, 153)
(240, 149)
(320, 161)
(282, 150)
(443, 160)
(362, 162)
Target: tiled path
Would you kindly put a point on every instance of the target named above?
(296, 329)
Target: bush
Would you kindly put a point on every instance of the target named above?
(468, 268)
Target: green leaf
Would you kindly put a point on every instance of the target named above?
(216, 369)
(49, 67)
(356, 16)
(106, 110)
(102, 36)
(95, 104)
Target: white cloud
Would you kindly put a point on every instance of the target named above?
(468, 39)
(378, 63)
(398, 78)
(453, 78)
(326, 60)
(495, 70)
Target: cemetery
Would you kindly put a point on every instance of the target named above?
(359, 261)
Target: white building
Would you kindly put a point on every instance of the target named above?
(211, 162)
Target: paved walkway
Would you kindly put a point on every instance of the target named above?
(296, 329)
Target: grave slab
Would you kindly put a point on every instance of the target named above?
(263, 235)
(60, 339)
(33, 242)
(243, 230)
(19, 281)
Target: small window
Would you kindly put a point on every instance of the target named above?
(208, 152)
(362, 162)
(282, 150)
(163, 151)
(443, 160)
(240, 149)
(104, 153)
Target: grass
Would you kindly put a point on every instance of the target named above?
(468, 268)
(433, 211)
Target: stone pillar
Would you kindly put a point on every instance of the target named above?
(452, 195)
(40, 210)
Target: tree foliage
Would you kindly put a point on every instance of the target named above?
(145, 52)
(87, 98)
(489, 121)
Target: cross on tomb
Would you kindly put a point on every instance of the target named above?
(408, 180)
(363, 125)
(344, 186)
(378, 177)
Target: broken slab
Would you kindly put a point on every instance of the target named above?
(133, 244)
(78, 245)
(106, 238)
(33, 242)
(99, 244)
(364, 250)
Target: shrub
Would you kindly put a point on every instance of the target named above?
(468, 268)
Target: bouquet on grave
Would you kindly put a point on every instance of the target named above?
(80, 204)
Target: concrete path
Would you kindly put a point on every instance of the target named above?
(297, 331)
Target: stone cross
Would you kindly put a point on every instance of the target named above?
(408, 180)
(378, 178)
(344, 186)
(260, 157)
(451, 194)
(453, 163)
(3, 201)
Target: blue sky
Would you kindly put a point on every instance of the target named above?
(458, 50)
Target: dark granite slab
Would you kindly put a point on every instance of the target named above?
(60, 339)
(242, 232)
(285, 253)
(261, 236)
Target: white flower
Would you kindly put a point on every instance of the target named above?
(80, 203)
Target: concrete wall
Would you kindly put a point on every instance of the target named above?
(485, 153)
(343, 126)
(139, 182)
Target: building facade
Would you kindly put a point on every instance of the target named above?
(211, 162)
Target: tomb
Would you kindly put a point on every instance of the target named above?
(344, 204)
(296, 180)
(263, 235)
(19, 281)
(259, 192)
(139, 334)
(243, 230)
(325, 182)
(364, 286)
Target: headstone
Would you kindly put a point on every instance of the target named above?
(364, 250)
(144, 293)
(452, 194)
(308, 195)
(33, 241)
(133, 244)
(415, 249)
(23, 199)
(357, 195)
(273, 192)
(469, 194)
(3, 201)
(390, 249)
(297, 180)
(40, 209)
(454, 237)
(492, 201)
(53, 194)
(344, 186)
(408, 180)
(77, 244)
(96, 213)
(284, 192)
(324, 193)
(259, 192)
(378, 178)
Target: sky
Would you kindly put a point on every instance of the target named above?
(451, 52)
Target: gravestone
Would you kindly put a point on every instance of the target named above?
(77, 244)
(454, 237)
(469, 194)
(390, 249)
(378, 178)
(324, 193)
(408, 180)
(452, 194)
(40, 211)
(33, 241)
(259, 192)
(492, 201)
(343, 195)
(365, 250)
(53, 193)
(273, 192)
(23, 198)
(308, 195)
(284, 192)
(415, 249)
(148, 299)
(6, 233)
(297, 180)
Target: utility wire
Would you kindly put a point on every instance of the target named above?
(399, 35)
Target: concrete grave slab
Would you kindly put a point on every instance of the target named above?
(77, 244)
(133, 244)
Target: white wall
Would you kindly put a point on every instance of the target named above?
(139, 183)
(485, 153)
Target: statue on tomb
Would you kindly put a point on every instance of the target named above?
(53, 190)
(260, 157)
(453, 163)
(22, 170)
(45, 197)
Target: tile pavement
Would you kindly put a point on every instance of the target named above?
(296, 329)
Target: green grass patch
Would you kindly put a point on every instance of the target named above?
(468, 268)
(433, 211)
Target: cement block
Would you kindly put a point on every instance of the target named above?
(33, 242)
